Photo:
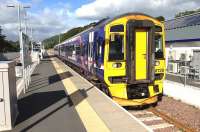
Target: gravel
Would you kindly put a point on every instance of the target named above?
(184, 113)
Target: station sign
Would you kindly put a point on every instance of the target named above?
(24, 51)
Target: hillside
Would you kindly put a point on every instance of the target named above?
(52, 41)
(7, 46)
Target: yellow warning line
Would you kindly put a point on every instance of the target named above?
(89, 117)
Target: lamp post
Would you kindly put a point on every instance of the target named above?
(31, 39)
(19, 9)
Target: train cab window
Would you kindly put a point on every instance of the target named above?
(117, 28)
(116, 47)
(158, 47)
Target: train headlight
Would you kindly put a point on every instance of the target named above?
(116, 65)
(157, 63)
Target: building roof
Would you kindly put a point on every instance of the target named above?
(181, 22)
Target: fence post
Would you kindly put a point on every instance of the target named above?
(8, 95)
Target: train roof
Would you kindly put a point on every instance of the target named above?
(110, 19)
(75, 36)
(104, 22)
(128, 14)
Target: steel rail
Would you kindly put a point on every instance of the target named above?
(171, 120)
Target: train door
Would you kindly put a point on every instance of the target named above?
(141, 42)
(90, 51)
(140, 51)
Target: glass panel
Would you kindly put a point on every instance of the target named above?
(116, 47)
(117, 28)
(159, 46)
(78, 50)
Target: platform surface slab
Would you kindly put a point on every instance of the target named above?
(60, 100)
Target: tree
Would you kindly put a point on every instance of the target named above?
(2, 41)
(161, 18)
(52, 41)
(7, 46)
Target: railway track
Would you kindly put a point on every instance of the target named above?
(159, 121)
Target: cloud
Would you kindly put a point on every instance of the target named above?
(102, 8)
(46, 22)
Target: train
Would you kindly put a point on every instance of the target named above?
(125, 54)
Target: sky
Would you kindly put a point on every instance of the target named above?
(51, 17)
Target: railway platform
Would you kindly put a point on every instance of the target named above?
(60, 100)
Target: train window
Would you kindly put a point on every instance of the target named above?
(85, 52)
(70, 49)
(66, 48)
(159, 46)
(117, 28)
(99, 48)
(116, 47)
(78, 50)
(62, 48)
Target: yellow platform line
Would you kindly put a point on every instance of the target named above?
(89, 117)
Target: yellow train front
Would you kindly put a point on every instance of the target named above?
(134, 64)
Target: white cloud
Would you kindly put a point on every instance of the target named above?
(103, 8)
(59, 18)
(45, 22)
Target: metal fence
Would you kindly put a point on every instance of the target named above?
(182, 72)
